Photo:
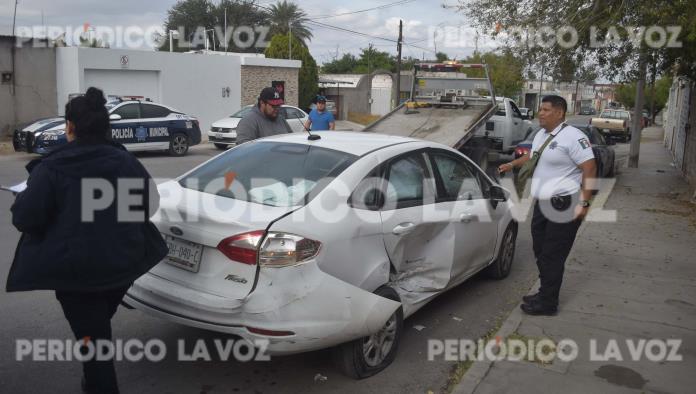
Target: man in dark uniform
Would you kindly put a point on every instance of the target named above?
(562, 186)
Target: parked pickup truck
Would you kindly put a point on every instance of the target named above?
(445, 106)
(614, 123)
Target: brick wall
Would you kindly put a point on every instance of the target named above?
(255, 78)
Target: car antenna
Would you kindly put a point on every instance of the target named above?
(312, 137)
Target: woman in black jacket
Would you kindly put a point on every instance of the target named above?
(89, 253)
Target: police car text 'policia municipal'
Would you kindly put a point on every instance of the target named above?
(138, 125)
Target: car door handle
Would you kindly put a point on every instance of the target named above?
(466, 217)
(403, 228)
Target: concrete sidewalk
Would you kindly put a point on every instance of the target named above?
(631, 279)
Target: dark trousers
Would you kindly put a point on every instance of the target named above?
(89, 315)
(553, 234)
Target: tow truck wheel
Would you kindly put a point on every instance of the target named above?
(367, 356)
(178, 145)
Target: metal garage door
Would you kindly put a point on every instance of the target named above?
(125, 82)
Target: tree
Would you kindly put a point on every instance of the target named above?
(506, 71)
(371, 59)
(621, 50)
(626, 94)
(309, 75)
(284, 15)
(191, 18)
(441, 57)
(344, 65)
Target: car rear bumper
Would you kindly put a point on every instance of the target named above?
(318, 309)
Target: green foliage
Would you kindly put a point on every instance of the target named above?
(441, 57)
(194, 16)
(371, 59)
(309, 73)
(505, 68)
(626, 94)
(344, 65)
(284, 15)
(617, 60)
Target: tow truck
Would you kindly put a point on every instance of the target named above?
(449, 107)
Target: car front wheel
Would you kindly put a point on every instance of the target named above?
(367, 356)
(500, 268)
(178, 145)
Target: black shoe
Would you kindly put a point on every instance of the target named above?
(538, 309)
(528, 299)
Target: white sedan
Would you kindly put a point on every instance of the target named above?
(223, 133)
(309, 244)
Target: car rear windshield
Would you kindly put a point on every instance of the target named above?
(270, 173)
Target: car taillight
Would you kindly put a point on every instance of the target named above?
(521, 151)
(283, 249)
(243, 247)
(624, 124)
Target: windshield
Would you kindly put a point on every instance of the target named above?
(270, 173)
(241, 112)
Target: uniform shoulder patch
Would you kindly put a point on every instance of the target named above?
(584, 143)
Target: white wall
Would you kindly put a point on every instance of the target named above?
(191, 83)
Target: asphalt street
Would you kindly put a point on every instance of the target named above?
(468, 311)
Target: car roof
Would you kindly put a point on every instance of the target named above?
(355, 143)
(117, 103)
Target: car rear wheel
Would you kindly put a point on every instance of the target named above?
(500, 268)
(367, 356)
(179, 145)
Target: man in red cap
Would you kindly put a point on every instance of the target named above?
(263, 120)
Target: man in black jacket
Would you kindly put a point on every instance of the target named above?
(89, 255)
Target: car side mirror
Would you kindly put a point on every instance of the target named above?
(114, 117)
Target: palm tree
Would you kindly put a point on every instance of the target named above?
(283, 15)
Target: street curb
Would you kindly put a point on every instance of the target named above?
(479, 369)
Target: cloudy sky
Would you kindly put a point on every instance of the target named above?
(422, 19)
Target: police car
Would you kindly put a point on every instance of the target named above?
(23, 140)
(138, 125)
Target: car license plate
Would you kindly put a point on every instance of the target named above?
(219, 135)
(183, 254)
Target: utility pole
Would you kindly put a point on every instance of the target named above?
(398, 64)
(634, 151)
(227, 39)
(14, 45)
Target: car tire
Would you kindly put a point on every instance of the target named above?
(222, 146)
(500, 268)
(178, 145)
(360, 359)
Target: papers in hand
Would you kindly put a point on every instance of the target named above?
(18, 188)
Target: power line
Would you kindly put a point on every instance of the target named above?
(366, 35)
(337, 28)
(400, 2)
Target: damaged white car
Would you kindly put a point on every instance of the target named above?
(309, 244)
